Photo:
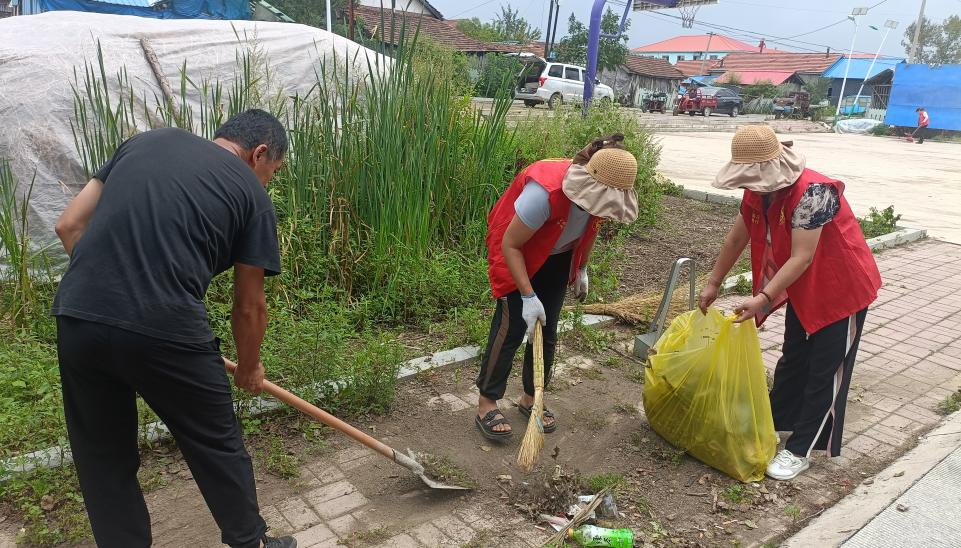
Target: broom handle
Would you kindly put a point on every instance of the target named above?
(538, 356)
(323, 416)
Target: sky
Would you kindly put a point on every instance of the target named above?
(774, 20)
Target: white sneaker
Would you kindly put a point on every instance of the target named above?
(786, 465)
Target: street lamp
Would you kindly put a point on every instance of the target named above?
(890, 25)
(855, 13)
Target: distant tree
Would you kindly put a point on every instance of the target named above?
(938, 44)
(761, 88)
(612, 52)
(508, 26)
(818, 88)
(478, 30)
(306, 12)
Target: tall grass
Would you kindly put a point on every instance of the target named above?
(20, 263)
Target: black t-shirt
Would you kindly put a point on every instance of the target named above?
(175, 211)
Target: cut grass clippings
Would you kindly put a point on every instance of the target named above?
(442, 469)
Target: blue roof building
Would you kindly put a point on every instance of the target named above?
(857, 74)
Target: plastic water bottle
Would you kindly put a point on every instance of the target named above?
(590, 535)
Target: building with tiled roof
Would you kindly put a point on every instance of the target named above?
(694, 68)
(802, 63)
(699, 46)
(430, 27)
(639, 77)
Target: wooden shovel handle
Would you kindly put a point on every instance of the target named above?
(317, 413)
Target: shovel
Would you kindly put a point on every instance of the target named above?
(408, 461)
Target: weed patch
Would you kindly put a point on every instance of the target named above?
(950, 404)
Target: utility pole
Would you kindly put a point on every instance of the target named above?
(913, 58)
(351, 20)
(700, 72)
(547, 39)
(557, 16)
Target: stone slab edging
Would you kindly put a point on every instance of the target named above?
(59, 455)
(840, 522)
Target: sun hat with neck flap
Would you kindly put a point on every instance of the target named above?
(604, 187)
(760, 162)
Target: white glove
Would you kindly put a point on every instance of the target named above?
(581, 284)
(533, 310)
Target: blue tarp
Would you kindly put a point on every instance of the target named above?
(859, 67)
(937, 89)
(177, 9)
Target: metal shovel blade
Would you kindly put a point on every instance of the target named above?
(410, 462)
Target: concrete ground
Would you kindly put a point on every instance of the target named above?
(920, 181)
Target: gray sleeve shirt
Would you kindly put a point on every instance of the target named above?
(533, 208)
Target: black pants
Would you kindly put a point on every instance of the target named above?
(508, 329)
(811, 383)
(921, 133)
(102, 370)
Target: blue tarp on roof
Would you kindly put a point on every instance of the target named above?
(937, 89)
(176, 9)
(859, 67)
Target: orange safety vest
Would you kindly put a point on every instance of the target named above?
(842, 279)
(550, 175)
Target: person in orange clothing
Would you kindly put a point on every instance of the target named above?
(539, 239)
(807, 252)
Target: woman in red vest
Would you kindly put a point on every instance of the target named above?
(539, 239)
(807, 251)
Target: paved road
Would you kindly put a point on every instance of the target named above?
(922, 182)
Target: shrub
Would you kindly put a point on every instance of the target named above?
(878, 223)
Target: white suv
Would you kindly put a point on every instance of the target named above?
(554, 83)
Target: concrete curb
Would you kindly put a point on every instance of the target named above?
(59, 455)
(840, 522)
(899, 237)
(711, 197)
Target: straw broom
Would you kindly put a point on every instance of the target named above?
(534, 437)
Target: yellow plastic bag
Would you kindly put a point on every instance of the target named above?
(706, 392)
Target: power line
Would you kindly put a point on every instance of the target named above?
(482, 4)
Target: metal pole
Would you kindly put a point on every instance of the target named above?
(593, 45)
(847, 67)
(547, 39)
(913, 58)
(557, 17)
(871, 66)
(328, 16)
(710, 35)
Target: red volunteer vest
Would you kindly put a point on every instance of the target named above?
(550, 175)
(843, 277)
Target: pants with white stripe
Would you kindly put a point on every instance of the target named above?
(508, 328)
(811, 383)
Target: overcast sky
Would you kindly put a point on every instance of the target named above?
(773, 19)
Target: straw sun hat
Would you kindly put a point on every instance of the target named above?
(604, 187)
(759, 162)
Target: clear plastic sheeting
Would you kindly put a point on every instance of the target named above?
(39, 55)
(706, 392)
(856, 125)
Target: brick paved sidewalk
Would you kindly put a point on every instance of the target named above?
(909, 361)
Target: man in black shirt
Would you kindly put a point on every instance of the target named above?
(167, 213)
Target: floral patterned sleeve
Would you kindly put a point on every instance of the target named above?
(817, 207)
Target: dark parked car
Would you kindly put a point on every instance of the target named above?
(728, 102)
